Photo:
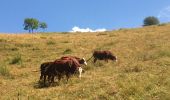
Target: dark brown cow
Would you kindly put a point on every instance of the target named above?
(61, 67)
(103, 55)
(43, 68)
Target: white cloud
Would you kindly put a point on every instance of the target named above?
(164, 13)
(77, 29)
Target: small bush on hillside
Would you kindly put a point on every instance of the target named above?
(14, 49)
(50, 43)
(65, 42)
(3, 40)
(151, 20)
(43, 37)
(35, 48)
(165, 53)
(4, 71)
(67, 51)
(16, 59)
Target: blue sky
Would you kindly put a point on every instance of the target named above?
(63, 15)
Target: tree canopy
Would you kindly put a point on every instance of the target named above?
(43, 25)
(30, 24)
(151, 20)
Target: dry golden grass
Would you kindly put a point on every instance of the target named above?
(142, 71)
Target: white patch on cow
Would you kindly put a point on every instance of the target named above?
(80, 71)
(116, 59)
(85, 61)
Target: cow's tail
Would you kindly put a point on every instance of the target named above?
(90, 58)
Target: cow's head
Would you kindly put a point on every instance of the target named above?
(114, 58)
(83, 61)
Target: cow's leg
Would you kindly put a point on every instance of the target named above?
(51, 79)
(80, 71)
(44, 79)
(41, 76)
(67, 76)
(95, 59)
(106, 60)
(59, 78)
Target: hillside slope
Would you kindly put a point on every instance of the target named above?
(142, 70)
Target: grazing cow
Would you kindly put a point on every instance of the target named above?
(61, 67)
(103, 55)
(43, 69)
(80, 60)
(44, 66)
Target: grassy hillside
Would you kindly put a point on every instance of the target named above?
(141, 73)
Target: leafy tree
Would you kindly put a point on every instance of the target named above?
(151, 20)
(30, 24)
(43, 25)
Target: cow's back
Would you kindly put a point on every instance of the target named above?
(99, 54)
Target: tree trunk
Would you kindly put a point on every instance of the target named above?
(29, 31)
(32, 30)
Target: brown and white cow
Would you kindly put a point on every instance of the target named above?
(103, 55)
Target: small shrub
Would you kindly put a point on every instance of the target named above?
(43, 37)
(67, 51)
(50, 43)
(16, 60)
(14, 49)
(3, 40)
(4, 71)
(35, 48)
(65, 42)
(165, 53)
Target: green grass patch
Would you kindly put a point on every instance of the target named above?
(4, 71)
(67, 51)
(3, 40)
(16, 59)
(164, 53)
(51, 43)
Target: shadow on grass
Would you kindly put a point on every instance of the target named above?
(40, 85)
